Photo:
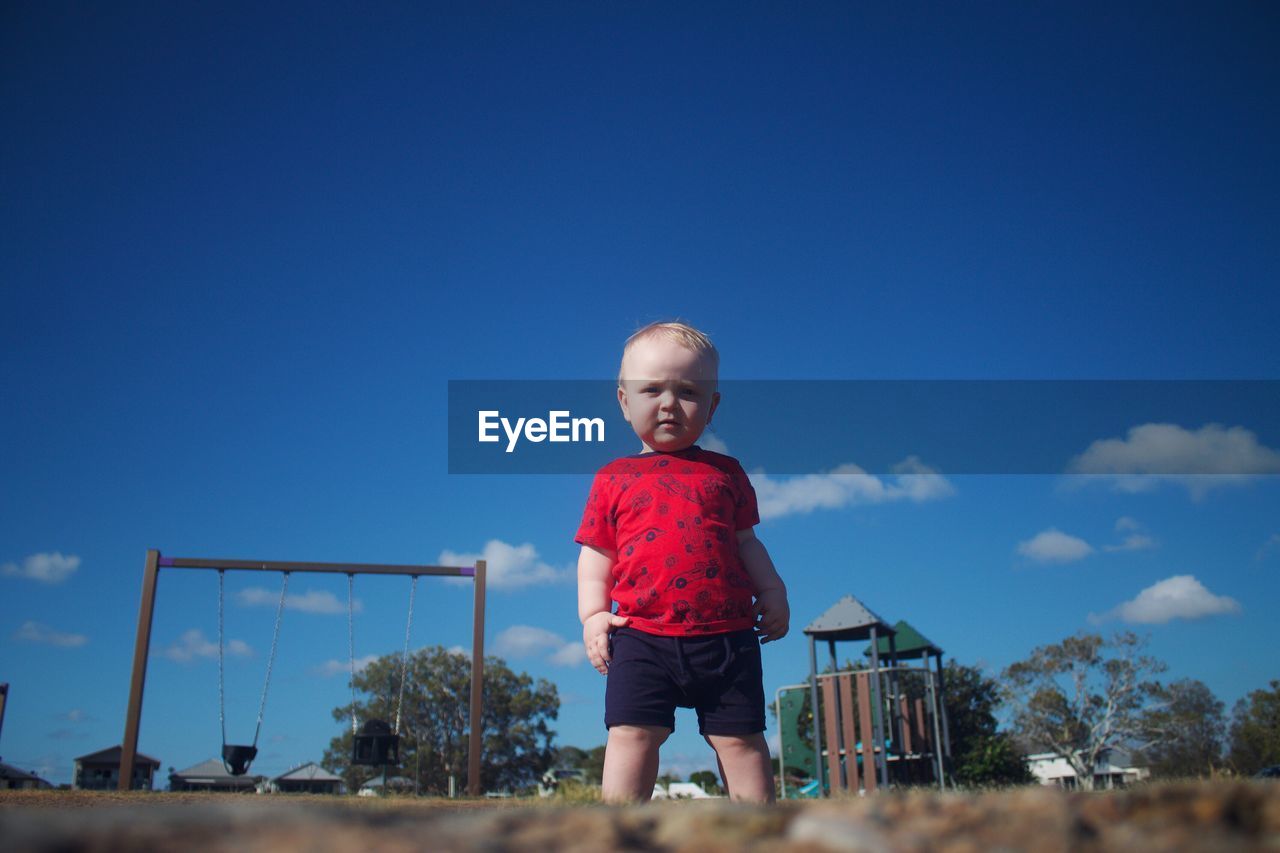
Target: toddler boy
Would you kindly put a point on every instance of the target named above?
(667, 534)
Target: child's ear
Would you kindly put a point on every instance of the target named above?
(622, 403)
(715, 403)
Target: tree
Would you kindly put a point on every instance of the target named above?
(435, 721)
(981, 754)
(1082, 697)
(706, 780)
(1255, 731)
(1183, 729)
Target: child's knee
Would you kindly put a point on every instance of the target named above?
(638, 737)
(737, 744)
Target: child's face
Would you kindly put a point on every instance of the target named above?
(667, 393)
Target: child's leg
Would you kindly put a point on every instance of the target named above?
(744, 766)
(631, 763)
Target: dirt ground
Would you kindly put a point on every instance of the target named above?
(1219, 816)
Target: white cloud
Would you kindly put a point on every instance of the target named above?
(711, 441)
(1124, 523)
(333, 666)
(77, 715)
(46, 568)
(311, 601)
(1178, 597)
(1132, 542)
(193, 644)
(1200, 460)
(509, 566)
(523, 641)
(36, 632)
(460, 651)
(847, 485)
(1271, 546)
(1054, 546)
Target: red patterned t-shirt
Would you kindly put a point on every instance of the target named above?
(673, 519)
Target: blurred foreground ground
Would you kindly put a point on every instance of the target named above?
(1204, 816)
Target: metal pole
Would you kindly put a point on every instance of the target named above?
(895, 703)
(935, 699)
(141, 647)
(813, 707)
(4, 700)
(477, 685)
(942, 711)
(877, 711)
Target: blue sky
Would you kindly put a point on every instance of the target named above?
(245, 249)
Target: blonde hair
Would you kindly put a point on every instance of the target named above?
(681, 333)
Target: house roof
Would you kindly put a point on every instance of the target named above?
(8, 771)
(212, 771)
(309, 772)
(112, 755)
(908, 642)
(847, 619)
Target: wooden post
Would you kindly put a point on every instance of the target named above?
(830, 720)
(850, 733)
(141, 646)
(477, 685)
(868, 732)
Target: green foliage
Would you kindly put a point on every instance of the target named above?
(589, 761)
(707, 780)
(981, 755)
(1183, 730)
(1255, 731)
(1082, 696)
(435, 725)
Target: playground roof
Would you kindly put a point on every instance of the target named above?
(847, 619)
(909, 643)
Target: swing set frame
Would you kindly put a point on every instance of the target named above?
(142, 646)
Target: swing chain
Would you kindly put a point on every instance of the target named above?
(275, 639)
(222, 707)
(351, 646)
(404, 656)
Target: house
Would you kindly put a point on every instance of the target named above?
(686, 791)
(100, 771)
(309, 778)
(394, 785)
(211, 775)
(13, 779)
(1115, 768)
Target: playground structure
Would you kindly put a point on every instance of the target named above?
(876, 735)
(376, 743)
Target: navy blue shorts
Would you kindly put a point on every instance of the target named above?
(719, 675)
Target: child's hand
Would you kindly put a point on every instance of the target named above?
(773, 615)
(595, 636)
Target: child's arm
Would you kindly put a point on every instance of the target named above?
(595, 604)
(771, 605)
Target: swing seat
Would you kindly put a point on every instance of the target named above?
(375, 745)
(237, 758)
